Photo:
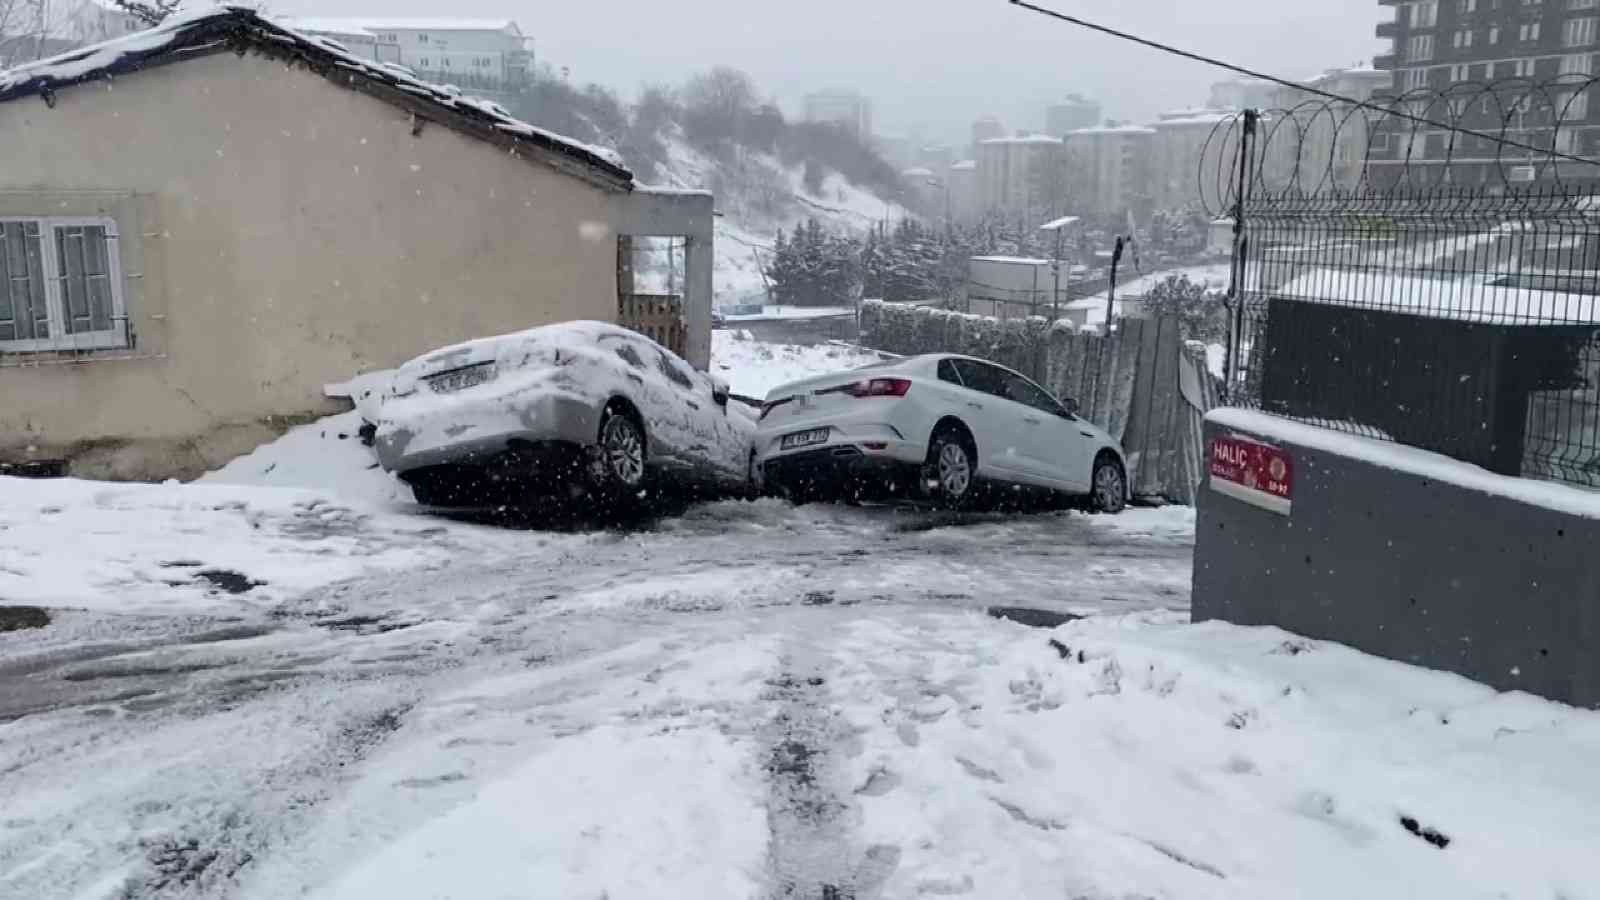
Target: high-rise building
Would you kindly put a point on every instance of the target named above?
(1243, 93)
(961, 181)
(1330, 140)
(1438, 44)
(847, 108)
(986, 129)
(1008, 167)
(1073, 112)
(1110, 165)
(1179, 141)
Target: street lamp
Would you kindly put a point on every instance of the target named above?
(1058, 226)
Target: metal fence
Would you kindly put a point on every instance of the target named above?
(1444, 302)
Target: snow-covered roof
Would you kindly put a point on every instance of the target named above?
(1113, 129)
(1207, 117)
(965, 165)
(1012, 260)
(358, 24)
(221, 29)
(1025, 139)
(1474, 299)
(917, 172)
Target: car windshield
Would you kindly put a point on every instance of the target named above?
(799, 451)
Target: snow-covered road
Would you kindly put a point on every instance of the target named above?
(287, 682)
(637, 689)
(760, 701)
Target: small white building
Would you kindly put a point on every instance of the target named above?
(1013, 287)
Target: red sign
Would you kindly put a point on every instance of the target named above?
(1259, 474)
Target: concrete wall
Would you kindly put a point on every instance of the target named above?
(1417, 558)
(659, 212)
(280, 232)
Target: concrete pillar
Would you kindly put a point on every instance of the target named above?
(697, 298)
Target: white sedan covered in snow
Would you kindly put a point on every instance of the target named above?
(934, 424)
(551, 409)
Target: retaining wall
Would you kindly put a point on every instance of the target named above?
(1409, 555)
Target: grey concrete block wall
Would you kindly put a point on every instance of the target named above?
(1411, 564)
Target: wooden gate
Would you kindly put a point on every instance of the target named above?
(658, 317)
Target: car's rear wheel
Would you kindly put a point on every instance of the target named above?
(618, 466)
(1108, 486)
(952, 466)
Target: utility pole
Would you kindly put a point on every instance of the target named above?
(1111, 293)
(1240, 248)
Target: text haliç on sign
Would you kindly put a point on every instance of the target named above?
(1259, 474)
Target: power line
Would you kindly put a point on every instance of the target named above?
(1284, 82)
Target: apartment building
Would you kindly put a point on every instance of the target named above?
(1448, 46)
(847, 108)
(1009, 179)
(488, 54)
(1111, 167)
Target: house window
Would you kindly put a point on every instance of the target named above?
(1578, 32)
(1462, 39)
(1573, 107)
(1528, 32)
(1459, 72)
(1416, 78)
(1524, 68)
(1494, 34)
(60, 285)
(1582, 4)
(422, 38)
(1466, 6)
(423, 62)
(1577, 64)
(1420, 48)
(445, 62)
(1425, 14)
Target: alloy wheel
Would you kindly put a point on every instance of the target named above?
(623, 451)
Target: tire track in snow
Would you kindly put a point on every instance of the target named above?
(813, 850)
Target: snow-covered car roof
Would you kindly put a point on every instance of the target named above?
(564, 335)
(235, 28)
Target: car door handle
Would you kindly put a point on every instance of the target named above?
(692, 404)
(974, 405)
(1030, 420)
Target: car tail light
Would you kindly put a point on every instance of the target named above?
(878, 387)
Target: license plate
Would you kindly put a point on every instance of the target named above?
(803, 439)
(460, 379)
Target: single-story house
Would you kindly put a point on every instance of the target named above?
(203, 224)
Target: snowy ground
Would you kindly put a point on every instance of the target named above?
(754, 367)
(751, 700)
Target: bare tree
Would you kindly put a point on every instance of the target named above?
(150, 12)
(30, 29)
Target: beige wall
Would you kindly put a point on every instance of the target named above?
(286, 233)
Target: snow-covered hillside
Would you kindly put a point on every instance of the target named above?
(757, 194)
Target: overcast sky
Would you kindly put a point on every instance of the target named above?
(928, 64)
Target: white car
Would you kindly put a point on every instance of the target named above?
(580, 404)
(934, 424)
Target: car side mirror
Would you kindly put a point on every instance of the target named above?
(1070, 405)
(719, 390)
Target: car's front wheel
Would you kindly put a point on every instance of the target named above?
(953, 468)
(619, 458)
(1108, 486)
